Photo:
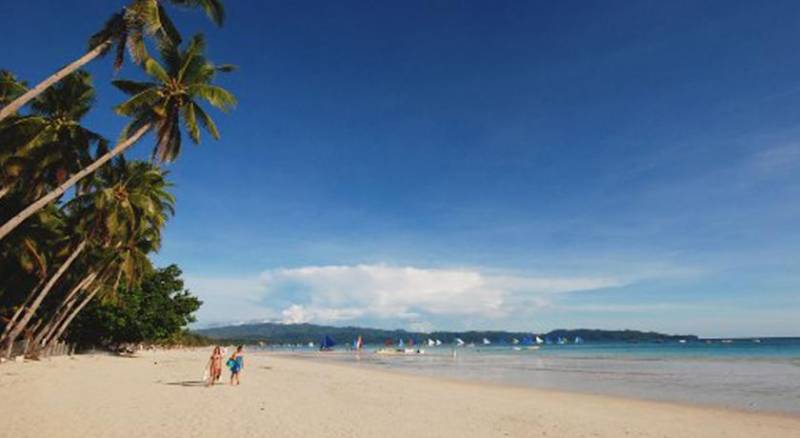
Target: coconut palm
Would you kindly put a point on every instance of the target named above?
(46, 146)
(26, 260)
(163, 105)
(13, 331)
(126, 30)
(121, 219)
(131, 265)
(172, 97)
(135, 204)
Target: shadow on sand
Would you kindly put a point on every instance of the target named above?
(188, 383)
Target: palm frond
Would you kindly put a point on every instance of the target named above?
(213, 8)
(132, 87)
(168, 30)
(217, 96)
(138, 102)
(190, 122)
(154, 69)
(206, 121)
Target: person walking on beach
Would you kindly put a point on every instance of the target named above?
(236, 363)
(214, 366)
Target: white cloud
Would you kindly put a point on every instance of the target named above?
(335, 294)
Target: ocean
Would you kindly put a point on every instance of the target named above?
(738, 374)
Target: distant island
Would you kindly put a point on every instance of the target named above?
(276, 333)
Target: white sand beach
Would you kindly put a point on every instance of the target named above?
(158, 395)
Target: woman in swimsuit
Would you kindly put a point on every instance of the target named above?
(236, 363)
(214, 366)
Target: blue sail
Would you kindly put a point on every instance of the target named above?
(327, 343)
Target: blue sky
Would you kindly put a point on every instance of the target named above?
(464, 164)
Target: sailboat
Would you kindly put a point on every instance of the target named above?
(401, 347)
(578, 340)
(486, 341)
(514, 341)
(431, 342)
(327, 344)
(529, 341)
(539, 340)
(438, 342)
(459, 342)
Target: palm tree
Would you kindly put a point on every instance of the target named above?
(160, 105)
(122, 219)
(28, 313)
(43, 148)
(126, 29)
(132, 264)
(136, 200)
(26, 259)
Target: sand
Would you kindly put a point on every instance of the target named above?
(157, 395)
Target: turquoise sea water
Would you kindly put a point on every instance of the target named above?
(741, 374)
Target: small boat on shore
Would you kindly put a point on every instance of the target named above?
(399, 351)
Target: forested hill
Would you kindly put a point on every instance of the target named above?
(274, 333)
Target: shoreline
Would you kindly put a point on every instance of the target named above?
(158, 394)
(504, 385)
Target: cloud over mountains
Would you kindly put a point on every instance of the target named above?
(344, 293)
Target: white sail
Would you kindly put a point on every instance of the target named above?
(438, 342)
(431, 343)
(486, 341)
(459, 342)
(539, 340)
(515, 341)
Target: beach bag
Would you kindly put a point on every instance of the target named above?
(230, 363)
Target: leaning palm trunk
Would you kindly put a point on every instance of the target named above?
(19, 311)
(61, 313)
(58, 191)
(74, 313)
(4, 191)
(31, 310)
(19, 102)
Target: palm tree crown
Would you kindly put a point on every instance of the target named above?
(45, 146)
(126, 29)
(173, 95)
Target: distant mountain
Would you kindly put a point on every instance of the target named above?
(274, 333)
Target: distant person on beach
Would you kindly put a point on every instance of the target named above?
(215, 366)
(236, 363)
